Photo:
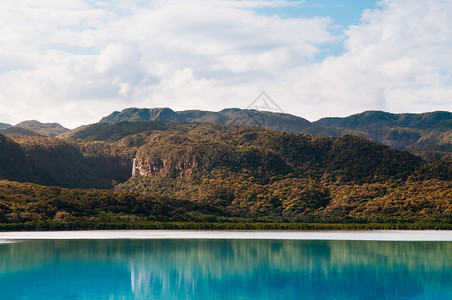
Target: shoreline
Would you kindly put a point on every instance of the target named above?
(368, 235)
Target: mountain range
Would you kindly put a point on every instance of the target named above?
(418, 133)
(428, 134)
(198, 166)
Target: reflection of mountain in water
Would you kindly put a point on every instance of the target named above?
(229, 269)
(282, 269)
(140, 280)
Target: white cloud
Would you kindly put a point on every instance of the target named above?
(161, 53)
(398, 59)
(76, 61)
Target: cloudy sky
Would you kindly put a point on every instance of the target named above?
(75, 61)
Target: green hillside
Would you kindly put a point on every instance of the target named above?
(413, 132)
(204, 175)
(254, 172)
(353, 156)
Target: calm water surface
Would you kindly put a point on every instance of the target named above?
(225, 269)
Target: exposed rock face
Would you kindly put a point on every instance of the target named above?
(164, 166)
(150, 168)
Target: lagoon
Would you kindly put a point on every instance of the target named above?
(226, 265)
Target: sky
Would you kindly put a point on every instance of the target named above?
(75, 61)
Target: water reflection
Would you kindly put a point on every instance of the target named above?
(225, 269)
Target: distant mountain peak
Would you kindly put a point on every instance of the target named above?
(381, 118)
(233, 109)
(271, 120)
(47, 129)
(4, 125)
(134, 114)
(37, 123)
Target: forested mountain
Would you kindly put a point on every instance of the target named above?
(252, 149)
(427, 131)
(427, 134)
(215, 174)
(252, 172)
(199, 171)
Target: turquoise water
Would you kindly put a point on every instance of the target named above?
(225, 269)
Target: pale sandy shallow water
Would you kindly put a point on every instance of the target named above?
(371, 235)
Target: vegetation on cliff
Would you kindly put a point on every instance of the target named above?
(253, 172)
